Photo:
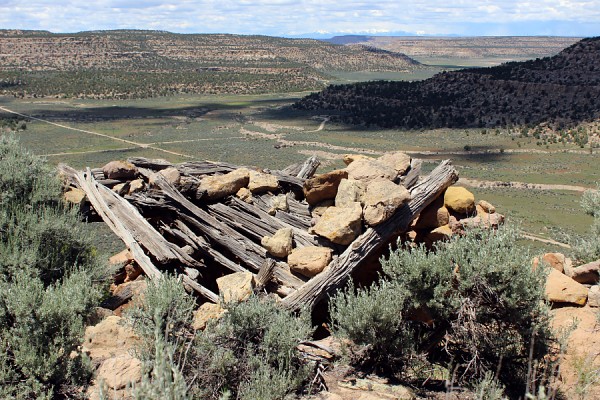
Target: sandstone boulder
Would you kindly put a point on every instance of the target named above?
(382, 199)
(236, 287)
(320, 208)
(74, 196)
(122, 257)
(350, 158)
(136, 185)
(341, 225)
(350, 191)
(368, 170)
(440, 233)
(205, 313)
(260, 182)
(323, 186)
(562, 289)
(170, 174)
(309, 261)
(219, 186)
(555, 260)
(594, 296)
(459, 199)
(433, 216)
(279, 203)
(587, 273)
(121, 170)
(397, 160)
(280, 244)
(121, 188)
(245, 195)
(486, 207)
(120, 372)
(108, 339)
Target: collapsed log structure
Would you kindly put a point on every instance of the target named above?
(206, 220)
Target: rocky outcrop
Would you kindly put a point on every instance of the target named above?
(397, 160)
(350, 191)
(368, 170)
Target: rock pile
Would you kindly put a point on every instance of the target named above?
(567, 284)
(229, 230)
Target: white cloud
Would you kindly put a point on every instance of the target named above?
(281, 17)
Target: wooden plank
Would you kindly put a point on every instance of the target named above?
(338, 271)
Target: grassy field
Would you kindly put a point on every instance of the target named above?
(262, 131)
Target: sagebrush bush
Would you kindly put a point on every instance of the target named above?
(251, 353)
(49, 281)
(485, 300)
(587, 248)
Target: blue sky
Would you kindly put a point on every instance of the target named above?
(296, 17)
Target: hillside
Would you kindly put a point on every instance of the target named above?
(562, 89)
(463, 49)
(147, 63)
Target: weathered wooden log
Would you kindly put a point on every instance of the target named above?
(412, 176)
(195, 168)
(339, 270)
(155, 164)
(127, 223)
(265, 274)
(303, 170)
(297, 216)
(248, 252)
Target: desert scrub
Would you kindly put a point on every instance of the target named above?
(587, 249)
(250, 353)
(50, 281)
(484, 302)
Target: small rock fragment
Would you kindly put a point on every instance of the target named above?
(236, 287)
(309, 261)
(280, 244)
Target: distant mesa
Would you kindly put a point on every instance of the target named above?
(562, 90)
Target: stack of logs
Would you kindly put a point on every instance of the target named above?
(297, 235)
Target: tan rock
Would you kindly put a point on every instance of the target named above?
(74, 196)
(132, 272)
(440, 233)
(433, 216)
(245, 195)
(459, 199)
(341, 225)
(368, 170)
(587, 273)
(280, 244)
(236, 287)
(350, 191)
(382, 199)
(309, 261)
(108, 339)
(594, 296)
(121, 170)
(350, 158)
(555, 260)
(120, 372)
(122, 257)
(320, 208)
(170, 174)
(487, 207)
(136, 185)
(261, 182)
(323, 186)
(562, 289)
(279, 203)
(397, 160)
(219, 186)
(121, 188)
(205, 313)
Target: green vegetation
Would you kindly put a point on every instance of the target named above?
(484, 301)
(587, 248)
(50, 281)
(248, 354)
